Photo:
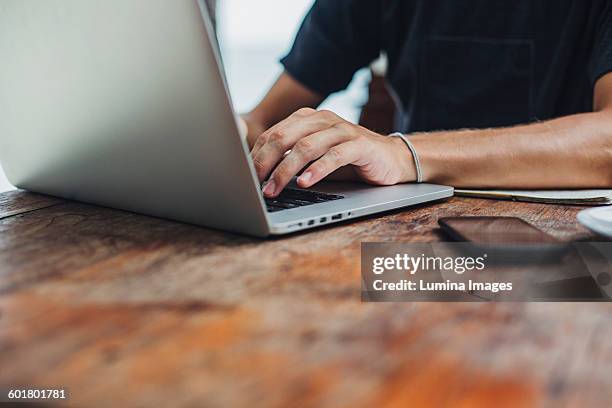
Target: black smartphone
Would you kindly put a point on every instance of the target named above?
(494, 231)
(506, 237)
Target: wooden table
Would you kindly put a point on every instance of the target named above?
(127, 310)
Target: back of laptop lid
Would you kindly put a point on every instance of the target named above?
(122, 103)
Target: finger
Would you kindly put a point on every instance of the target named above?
(264, 138)
(305, 151)
(337, 157)
(301, 113)
(292, 129)
(284, 138)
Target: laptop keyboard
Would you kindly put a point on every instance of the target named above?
(292, 198)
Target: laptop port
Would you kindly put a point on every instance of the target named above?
(336, 217)
(311, 222)
(324, 219)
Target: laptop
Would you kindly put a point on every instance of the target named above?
(124, 103)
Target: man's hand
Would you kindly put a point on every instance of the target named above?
(323, 142)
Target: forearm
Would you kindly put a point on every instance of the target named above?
(570, 152)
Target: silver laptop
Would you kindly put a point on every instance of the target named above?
(123, 103)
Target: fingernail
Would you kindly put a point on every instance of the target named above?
(305, 178)
(269, 188)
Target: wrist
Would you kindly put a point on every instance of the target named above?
(407, 165)
(432, 157)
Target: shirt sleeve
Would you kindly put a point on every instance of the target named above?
(601, 62)
(337, 38)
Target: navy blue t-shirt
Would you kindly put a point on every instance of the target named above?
(462, 63)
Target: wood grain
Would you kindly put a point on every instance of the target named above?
(18, 202)
(135, 311)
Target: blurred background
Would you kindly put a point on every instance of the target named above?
(252, 39)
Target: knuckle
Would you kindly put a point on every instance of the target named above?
(277, 138)
(305, 111)
(344, 127)
(304, 146)
(316, 168)
(258, 163)
(335, 154)
(259, 142)
(259, 166)
(327, 114)
(362, 139)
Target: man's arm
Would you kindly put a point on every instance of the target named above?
(570, 152)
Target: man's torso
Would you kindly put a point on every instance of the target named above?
(487, 63)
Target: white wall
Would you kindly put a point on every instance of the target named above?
(254, 35)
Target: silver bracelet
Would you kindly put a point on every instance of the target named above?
(415, 155)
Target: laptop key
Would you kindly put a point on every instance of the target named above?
(335, 197)
(299, 203)
(292, 198)
(273, 209)
(283, 205)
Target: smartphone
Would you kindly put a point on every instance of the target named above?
(494, 231)
(506, 237)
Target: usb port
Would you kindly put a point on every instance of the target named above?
(311, 222)
(337, 217)
(324, 219)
